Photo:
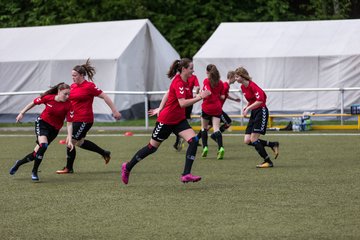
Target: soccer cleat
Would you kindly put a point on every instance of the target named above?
(106, 156)
(275, 149)
(190, 178)
(34, 176)
(65, 171)
(265, 165)
(125, 174)
(204, 152)
(14, 168)
(220, 154)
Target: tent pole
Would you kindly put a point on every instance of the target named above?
(146, 112)
(342, 105)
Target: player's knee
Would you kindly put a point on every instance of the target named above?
(42, 150)
(193, 144)
(151, 148)
(247, 141)
(193, 141)
(78, 142)
(217, 134)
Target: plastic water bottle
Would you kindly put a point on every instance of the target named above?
(296, 124)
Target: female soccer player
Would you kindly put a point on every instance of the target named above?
(224, 118)
(212, 110)
(256, 98)
(82, 96)
(48, 124)
(172, 119)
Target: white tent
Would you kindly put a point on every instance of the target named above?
(128, 56)
(313, 54)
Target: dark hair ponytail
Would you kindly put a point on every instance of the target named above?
(86, 69)
(214, 75)
(55, 89)
(173, 69)
(177, 66)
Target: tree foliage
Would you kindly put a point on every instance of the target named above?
(185, 24)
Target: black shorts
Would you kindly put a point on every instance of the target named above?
(42, 128)
(163, 131)
(188, 111)
(206, 116)
(80, 130)
(258, 121)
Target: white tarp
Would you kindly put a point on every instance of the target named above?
(313, 54)
(128, 56)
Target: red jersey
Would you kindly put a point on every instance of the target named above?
(192, 82)
(82, 98)
(254, 93)
(54, 112)
(225, 92)
(212, 105)
(172, 113)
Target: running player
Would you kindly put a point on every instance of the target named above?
(82, 96)
(212, 110)
(48, 124)
(172, 119)
(256, 98)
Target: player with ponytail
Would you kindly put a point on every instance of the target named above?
(83, 91)
(172, 119)
(48, 124)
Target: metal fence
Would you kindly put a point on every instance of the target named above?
(147, 94)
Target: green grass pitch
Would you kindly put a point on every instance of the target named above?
(313, 192)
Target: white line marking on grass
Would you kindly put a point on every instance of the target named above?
(225, 135)
(303, 134)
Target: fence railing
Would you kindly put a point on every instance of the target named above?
(147, 94)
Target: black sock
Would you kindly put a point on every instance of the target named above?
(267, 143)
(39, 156)
(141, 154)
(264, 143)
(37, 163)
(261, 150)
(70, 158)
(190, 154)
(199, 134)
(204, 137)
(88, 145)
(224, 127)
(28, 158)
(218, 138)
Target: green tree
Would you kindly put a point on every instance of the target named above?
(185, 24)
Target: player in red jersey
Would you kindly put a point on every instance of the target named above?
(212, 110)
(256, 98)
(172, 119)
(48, 124)
(224, 118)
(82, 96)
(193, 83)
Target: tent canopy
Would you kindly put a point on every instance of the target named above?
(313, 54)
(127, 55)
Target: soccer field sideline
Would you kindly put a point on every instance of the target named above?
(224, 135)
